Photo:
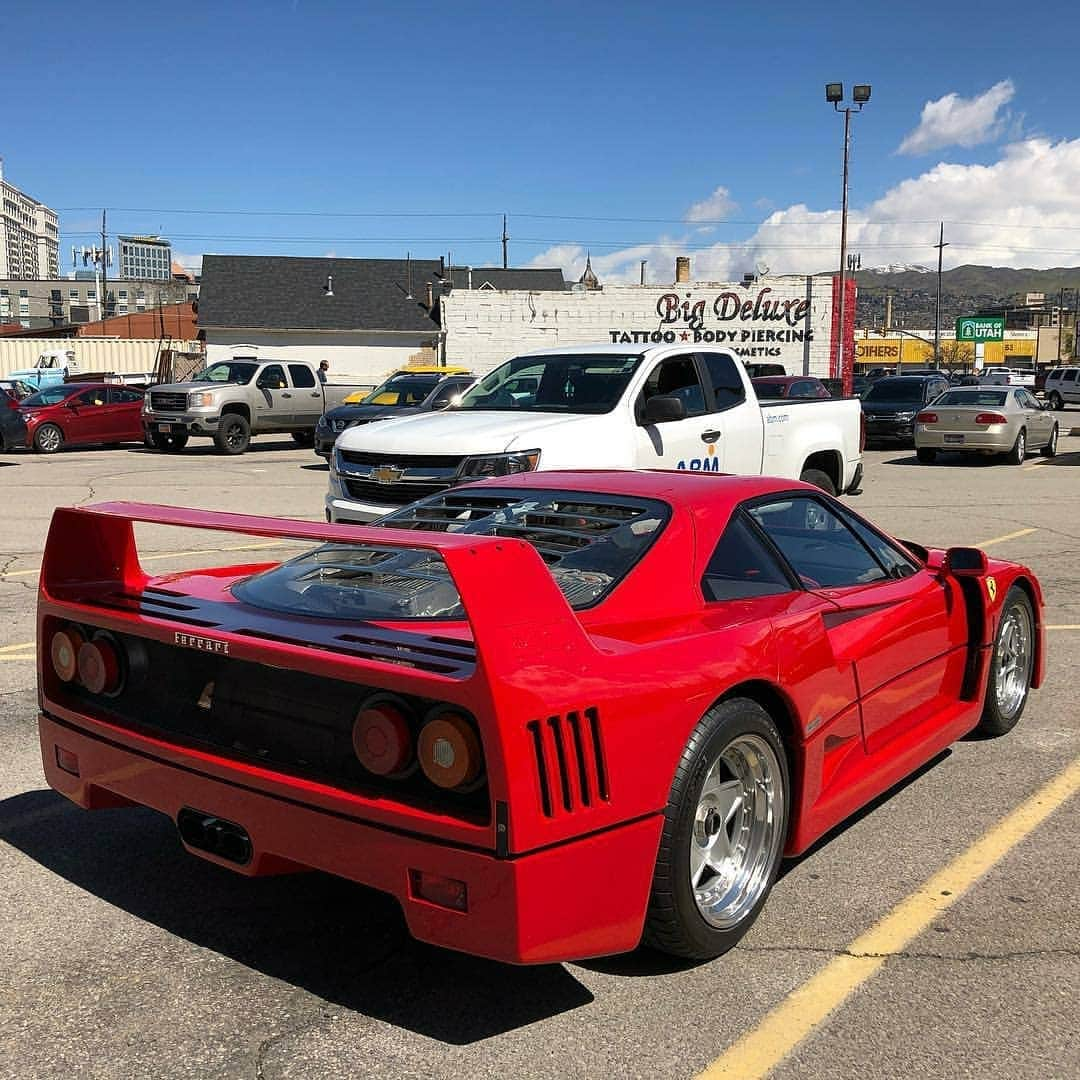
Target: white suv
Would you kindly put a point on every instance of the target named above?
(1063, 387)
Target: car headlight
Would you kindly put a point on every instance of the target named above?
(905, 416)
(29, 416)
(200, 400)
(500, 464)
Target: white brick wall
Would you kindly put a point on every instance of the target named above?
(483, 327)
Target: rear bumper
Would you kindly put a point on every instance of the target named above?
(996, 442)
(553, 905)
(890, 430)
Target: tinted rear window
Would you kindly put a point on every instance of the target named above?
(895, 390)
(973, 397)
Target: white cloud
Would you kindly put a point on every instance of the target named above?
(1022, 210)
(188, 262)
(715, 208)
(956, 121)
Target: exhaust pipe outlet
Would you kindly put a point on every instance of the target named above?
(216, 836)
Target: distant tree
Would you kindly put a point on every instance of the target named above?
(955, 355)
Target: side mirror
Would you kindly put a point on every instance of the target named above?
(965, 562)
(663, 408)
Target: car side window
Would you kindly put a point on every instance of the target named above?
(92, 397)
(119, 395)
(272, 378)
(1070, 375)
(896, 563)
(742, 566)
(820, 547)
(302, 376)
(441, 398)
(677, 377)
(727, 384)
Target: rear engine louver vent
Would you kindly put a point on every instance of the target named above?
(569, 761)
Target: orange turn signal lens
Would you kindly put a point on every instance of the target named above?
(99, 666)
(381, 739)
(64, 653)
(436, 889)
(449, 751)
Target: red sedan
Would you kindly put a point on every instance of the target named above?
(81, 414)
(553, 714)
(790, 386)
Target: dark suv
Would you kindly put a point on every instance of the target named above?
(891, 403)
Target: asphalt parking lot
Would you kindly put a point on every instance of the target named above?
(124, 956)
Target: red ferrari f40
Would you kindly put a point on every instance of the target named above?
(553, 714)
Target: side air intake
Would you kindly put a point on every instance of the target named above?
(570, 768)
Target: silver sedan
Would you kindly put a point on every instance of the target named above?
(991, 420)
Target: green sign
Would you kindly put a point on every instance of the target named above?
(977, 328)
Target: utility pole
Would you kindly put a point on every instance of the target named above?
(505, 241)
(104, 270)
(941, 246)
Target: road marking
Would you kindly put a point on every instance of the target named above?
(1064, 626)
(1007, 536)
(809, 1005)
(28, 657)
(1035, 465)
(21, 647)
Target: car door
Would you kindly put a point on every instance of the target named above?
(125, 414)
(689, 443)
(1039, 424)
(901, 625)
(86, 416)
(307, 399)
(1069, 387)
(273, 399)
(736, 430)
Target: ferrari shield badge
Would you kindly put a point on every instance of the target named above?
(991, 588)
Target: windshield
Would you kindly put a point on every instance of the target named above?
(228, 371)
(973, 397)
(51, 396)
(562, 383)
(401, 390)
(589, 542)
(895, 390)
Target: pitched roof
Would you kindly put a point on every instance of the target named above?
(284, 293)
(495, 277)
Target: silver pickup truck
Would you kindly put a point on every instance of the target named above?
(231, 400)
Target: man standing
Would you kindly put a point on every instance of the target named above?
(324, 367)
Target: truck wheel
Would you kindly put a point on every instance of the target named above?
(724, 830)
(169, 444)
(233, 434)
(304, 438)
(819, 480)
(48, 439)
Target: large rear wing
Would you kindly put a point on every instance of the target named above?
(516, 611)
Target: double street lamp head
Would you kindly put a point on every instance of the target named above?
(834, 94)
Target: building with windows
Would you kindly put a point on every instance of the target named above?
(148, 258)
(29, 236)
(63, 301)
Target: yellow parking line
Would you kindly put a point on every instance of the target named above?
(21, 647)
(1002, 539)
(29, 657)
(809, 1005)
(1064, 626)
(1035, 465)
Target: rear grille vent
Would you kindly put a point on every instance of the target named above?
(570, 765)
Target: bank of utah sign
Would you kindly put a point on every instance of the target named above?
(971, 328)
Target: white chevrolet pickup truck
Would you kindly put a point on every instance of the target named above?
(597, 407)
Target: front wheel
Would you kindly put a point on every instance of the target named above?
(819, 479)
(723, 837)
(926, 454)
(1050, 449)
(48, 439)
(303, 438)
(167, 443)
(233, 435)
(1057, 402)
(1019, 449)
(1011, 665)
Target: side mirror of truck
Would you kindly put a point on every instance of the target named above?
(663, 408)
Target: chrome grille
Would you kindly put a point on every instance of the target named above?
(168, 402)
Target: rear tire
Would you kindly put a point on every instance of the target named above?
(1019, 449)
(1011, 665)
(819, 480)
(233, 434)
(724, 830)
(1050, 449)
(926, 454)
(48, 439)
(303, 438)
(1057, 402)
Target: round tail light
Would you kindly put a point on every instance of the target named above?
(64, 653)
(99, 666)
(449, 751)
(381, 739)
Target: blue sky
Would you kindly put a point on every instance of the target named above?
(425, 122)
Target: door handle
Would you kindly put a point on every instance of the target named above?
(286, 395)
(315, 393)
(710, 436)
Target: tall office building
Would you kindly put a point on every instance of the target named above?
(145, 258)
(29, 236)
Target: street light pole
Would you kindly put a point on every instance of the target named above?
(941, 246)
(860, 95)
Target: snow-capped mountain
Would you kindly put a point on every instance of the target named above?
(900, 268)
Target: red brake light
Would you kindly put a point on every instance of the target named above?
(99, 666)
(990, 418)
(449, 751)
(926, 418)
(381, 739)
(64, 653)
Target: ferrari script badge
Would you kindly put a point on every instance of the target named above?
(991, 588)
(386, 474)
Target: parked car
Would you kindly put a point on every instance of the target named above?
(1003, 376)
(1006, 420)
(82, 414)
(17, 388)
(231, 400)
(12, 421)
(469, 706)
(597, 407)
(776, 387)
(1063, 387)
(891, 403)
(400, 395)
(762, 370)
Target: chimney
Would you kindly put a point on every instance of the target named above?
(682, 269)
(888, 312)
(430, 296)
